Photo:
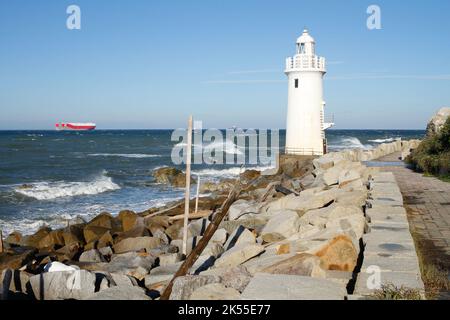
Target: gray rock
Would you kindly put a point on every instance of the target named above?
(240, 236)
(220, 236)
(184, 286)
(281, 226)
(197, 227)
(120, 293)
(236, 277)
(136, 244)
(14, 281)
(106, 251)
(132, 264)
(241, 207)
(191, 243)
(78, 284)
(215, 291)
(288, 287)
(169, 258)
(238, 254)
(92, 255)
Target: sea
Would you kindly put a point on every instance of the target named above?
(50, 177)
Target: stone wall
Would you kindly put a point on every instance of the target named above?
(381, 150)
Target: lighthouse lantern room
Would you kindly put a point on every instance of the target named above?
(305, 127)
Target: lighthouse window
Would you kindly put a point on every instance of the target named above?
(302, 48)
(296, 83)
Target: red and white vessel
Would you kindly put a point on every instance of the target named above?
(75, 126)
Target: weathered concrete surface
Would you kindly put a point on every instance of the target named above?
(427, 202)
(265, 286)
(389, 254)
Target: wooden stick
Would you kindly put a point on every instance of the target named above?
(188, 185)
(198, 193)
(1, 241)
(209, 232)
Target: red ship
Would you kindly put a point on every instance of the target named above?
(75, 126)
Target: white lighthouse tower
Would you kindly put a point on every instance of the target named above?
(305, 117)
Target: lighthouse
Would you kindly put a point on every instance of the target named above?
(305, 126)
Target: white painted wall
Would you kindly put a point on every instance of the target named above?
(304, 125)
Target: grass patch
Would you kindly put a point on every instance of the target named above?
(434, 277)
(391, 292)
(435, 280)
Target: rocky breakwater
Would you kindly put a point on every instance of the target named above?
(298, 234)
(403, 146)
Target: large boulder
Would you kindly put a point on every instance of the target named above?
(78, 284)
(249, 175)
(437, 121)
(236, 277)
(240, 236)
(92, 256)
(304, 202)
(291, 287)
(173, 176)
(136, 244)
(73, 234)
(16, 258)
(338, 253)
(240, 208)
(34, 239)
(219, 187)
(191, 243)
(105, 220)
(92, 233)
(120, 293)
(15, 283)
(175, 231)
(52, 240)
(137, 231)
(197, 227)
(215, 291)
(281, 226)
(14, 238)
(303, 264)
(238, 254)
(134, 264)
(128, 219)
(184, 286)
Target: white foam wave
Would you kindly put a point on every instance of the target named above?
(53, 190)
(384, 140)
(350, 143)
(124, 155)
(219, 146)
(228, 172)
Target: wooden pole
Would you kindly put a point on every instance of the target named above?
(1, 241)
(188, 186)
(198, 194)
(209, 232)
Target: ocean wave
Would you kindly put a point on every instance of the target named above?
(227, 172)
(349, 143)
(53, 190)
(384, 140)
(124, 155)
(219, 146)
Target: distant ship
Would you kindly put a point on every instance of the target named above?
(75, 126)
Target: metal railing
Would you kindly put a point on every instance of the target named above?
(303, 151)
(305, 62)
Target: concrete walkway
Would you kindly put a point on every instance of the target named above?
(427, 200)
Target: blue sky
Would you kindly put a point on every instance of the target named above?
(149, 64)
